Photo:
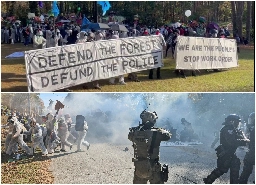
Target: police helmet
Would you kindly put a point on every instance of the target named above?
(183, 120)
(251, 119)
(148, 117)
(231, 119)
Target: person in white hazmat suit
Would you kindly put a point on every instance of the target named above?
(63, 134)
(37, 136)
(81, 127)
(9, 137)
(51, 126)
(17, 137)
(39, 42)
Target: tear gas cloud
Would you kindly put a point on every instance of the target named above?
(206, 113)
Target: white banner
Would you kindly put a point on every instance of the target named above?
(60, 67)
(205, 53)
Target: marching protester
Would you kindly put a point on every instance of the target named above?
(51, 126)
(17, 137)
(63, 134)
(37, 136)
(81, 127)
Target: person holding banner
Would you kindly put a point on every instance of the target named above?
(83, 37)
(150, 76)
(121, 77)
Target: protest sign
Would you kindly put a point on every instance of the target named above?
(205, 53)
(60, 67)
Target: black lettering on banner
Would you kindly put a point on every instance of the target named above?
(153, 42)
(142, 46)
(122, 47)
(71, 77)
(44, 81)
(63, 76)
(51, 61)
(148, 46)
(136, 48)
(155, 59)
(195, 48)
(42, 59)
(71, 56)
(85, 72)
(124, 64)
(132, 63)
(61, 58)
(144, 62)
(80, 56)
(110, 67)
(88, 54)
(54, 80)
(129, 48)
(191, 58)
(184, 47)
(113, 49)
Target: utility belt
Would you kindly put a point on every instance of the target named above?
(221, 151)
(153, 166)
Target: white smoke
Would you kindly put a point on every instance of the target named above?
(205, 116)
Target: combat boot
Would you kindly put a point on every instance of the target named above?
(212, 177)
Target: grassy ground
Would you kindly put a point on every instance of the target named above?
(28, 170)
(240, 79)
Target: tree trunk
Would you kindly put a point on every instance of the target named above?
(33, 7)
(248, 20)
(239, 17)
(61, 7)
(253, 15)
(233, 7)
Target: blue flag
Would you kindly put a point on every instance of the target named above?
(104, 5)
(85, 21)
(40, 4)
(55, 9)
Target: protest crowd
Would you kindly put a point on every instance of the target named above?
(47, 132)
(46, 32)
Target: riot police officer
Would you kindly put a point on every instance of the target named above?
(249, 159)
(230, 139)
(146, 142)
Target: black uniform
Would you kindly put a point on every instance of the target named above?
(230, 139)
(249, 159)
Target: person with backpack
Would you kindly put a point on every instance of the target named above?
(81, 127)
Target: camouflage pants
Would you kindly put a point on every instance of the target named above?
(147, 171)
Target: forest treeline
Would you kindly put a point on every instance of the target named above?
(154, 13)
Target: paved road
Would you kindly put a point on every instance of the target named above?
(106, 163)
